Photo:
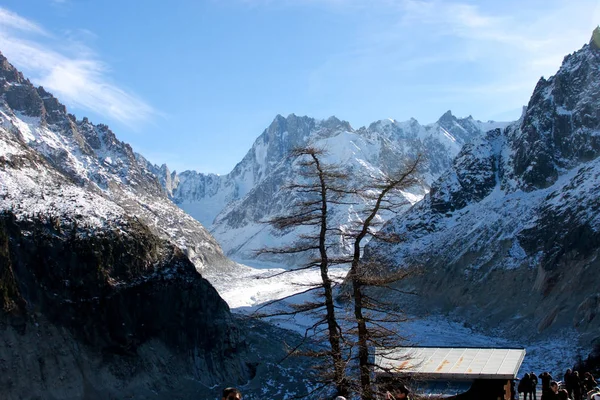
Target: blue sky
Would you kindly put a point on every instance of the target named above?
(193, 83)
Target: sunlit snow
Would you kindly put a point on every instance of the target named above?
(248, 291)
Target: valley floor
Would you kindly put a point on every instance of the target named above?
(258, 284)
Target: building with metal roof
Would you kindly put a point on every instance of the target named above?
(487, 371)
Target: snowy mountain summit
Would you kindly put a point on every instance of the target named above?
(509, 236)
(83, 170)
(233, 206)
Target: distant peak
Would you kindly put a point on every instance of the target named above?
(595, 40)
(8, 71)
(290, 117)
(333, 120)
(448, 116)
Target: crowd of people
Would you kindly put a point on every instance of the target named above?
(572, 387)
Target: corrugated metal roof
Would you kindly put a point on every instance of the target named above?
(451, 363)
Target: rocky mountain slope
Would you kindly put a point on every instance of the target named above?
(93, 312)
(509, 236)
(233, 206)
(98, 300)
(93, 158)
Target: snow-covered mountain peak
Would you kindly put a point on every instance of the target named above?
(234, 205)
(293, 131)
(89, 161)
(508, 236)
(560, 127)
(448, 118)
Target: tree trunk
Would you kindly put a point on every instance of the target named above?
(363, 349)
(332, 326)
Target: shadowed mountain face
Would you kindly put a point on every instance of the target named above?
(109, 292)
(509, 237)
(93, 302)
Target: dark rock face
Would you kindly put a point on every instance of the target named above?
(556, 130)
(115, 288)
(508, 236)
(473, 175)
(115, 312)
(9, 73)
(20, 95)
(25, 99)
(54, 111)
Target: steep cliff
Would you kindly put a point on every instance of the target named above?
(112, 293)
(509, 237)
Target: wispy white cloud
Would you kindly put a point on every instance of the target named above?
(10, 20)
(69, 69)
(490, 54)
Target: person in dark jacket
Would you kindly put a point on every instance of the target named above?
(546, 378)
(588, 382)
(576, 383)
(525, 386)
(568, 381)
(534, 381)
(563, 394)
(551, 393)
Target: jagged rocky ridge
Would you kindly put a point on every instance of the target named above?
(233, 206)
(509, 237)
(98, 298)
(92, 157)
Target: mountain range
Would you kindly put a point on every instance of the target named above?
(93, 159)
(234, 206)
(102, 254)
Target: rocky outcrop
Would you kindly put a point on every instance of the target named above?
(116, 312)
(113, 287)
(557, 131)
(114, 290)
(508, 237)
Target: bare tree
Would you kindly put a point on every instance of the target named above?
(372, 317)
(319, 186)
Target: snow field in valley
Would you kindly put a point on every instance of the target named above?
(248, 291)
